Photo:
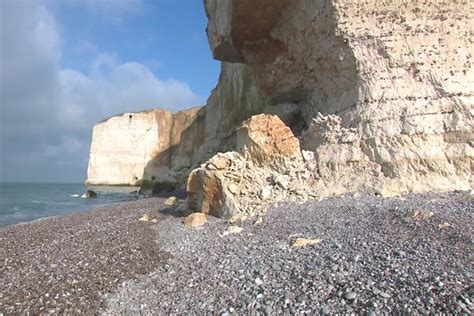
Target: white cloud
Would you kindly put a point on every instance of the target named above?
(47, 113)
(29, 64)
(113, 87)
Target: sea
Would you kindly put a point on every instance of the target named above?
(26, 202)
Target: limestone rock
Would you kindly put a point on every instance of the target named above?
(195, 219)
(303, 242)
(144, 218)
(206, 188)
(233, 229)
(235, 99)
(171, 201)
(394, 118)
(445, 225)
(268, 148)
(238, 219)
(258, 221)
(421, 215)
(124, 145)
(266, 192)
(153, 145)
(307, 155)
(186, 138)
(266, 138)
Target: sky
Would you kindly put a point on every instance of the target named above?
(67, 64)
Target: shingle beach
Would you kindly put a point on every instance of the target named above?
(375, 256)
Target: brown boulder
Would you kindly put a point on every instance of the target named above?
(171, 201)
(195, 219)
(265, 138)
(205, 189)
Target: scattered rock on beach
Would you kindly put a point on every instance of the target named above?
(171, 201)
(303, 242)
(421, 215)
(445, 225)
(195, 219)
(238, 218)
(144, 218)
(234, 229)
(258, 221)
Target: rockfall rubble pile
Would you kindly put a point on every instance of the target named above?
(268, 167)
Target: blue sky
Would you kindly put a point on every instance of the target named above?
(168, 36)
(67, 64)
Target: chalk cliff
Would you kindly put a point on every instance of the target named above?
(380, 95)
(395, 78)
(153, 145)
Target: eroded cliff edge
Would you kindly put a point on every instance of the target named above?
(381, 93)
(160, 146)
(150, 145)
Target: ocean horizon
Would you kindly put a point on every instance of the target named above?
(22, 202)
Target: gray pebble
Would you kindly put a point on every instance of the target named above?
(351, 296)
(254, 273)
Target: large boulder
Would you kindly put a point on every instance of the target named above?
(265, 138)
(207, 187)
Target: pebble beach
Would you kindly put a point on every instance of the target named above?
(373, 256)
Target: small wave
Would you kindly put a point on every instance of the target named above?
(75, 195)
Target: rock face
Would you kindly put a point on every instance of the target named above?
(151, 145)
(377, 98)
(386, 89)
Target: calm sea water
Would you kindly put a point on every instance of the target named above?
(24, 202)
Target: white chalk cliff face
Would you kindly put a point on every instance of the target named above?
(150, 145)
(380, 92)
(123, 145)
(395, 77)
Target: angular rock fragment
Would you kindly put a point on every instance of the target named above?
(421, 215)
(195, 219)
(206, 191)
(171, 201)
(238, 219)
(265, 138)
(234, 229)
(303, 242)
(144, 218)
(445, 225)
